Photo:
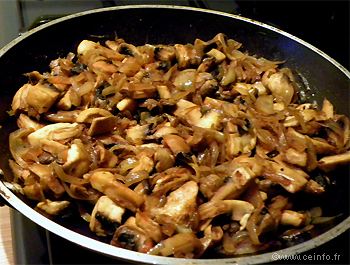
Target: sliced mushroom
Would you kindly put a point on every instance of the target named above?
(105, 211)
(132, 237)
(85, 46)
(163, 159)
(280, 85)
(87, 116)
(329, 163)
(152, 228)
(78, 159)
(139, 90)
(107, 183)
(53, 207)
(54, 132)
(292, 218)
(288, 178)
(176, 144)
(127, 104)
(26, 122)
(239, 210)
(102, 125)
(239, 181)
(180, 204)
(180, 245)
(34, 99)
(191, 113)
(137, 133)
(237, 144)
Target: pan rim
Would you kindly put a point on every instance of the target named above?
(238, 17)
(119, 253)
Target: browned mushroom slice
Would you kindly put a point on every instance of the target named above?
(152, 228)
(139, 90)
(236, 185)
(105, 210)
(62, 116)
(179, 245)
(280, 85)
(237, 144)
(132, 237)
(180, 205)
(53, 207)
(191, 113)
(294, 157)
(239, 210)
(292, 218)
(107, 183)
(183, 55)
(177, 144)
(164, 52)
(26, 122)
(55, 132)
(312, 187)
(163, 159)
(137, 133)
(218, 55)
(288, 178)
(102, 125)
(34, 99)
(329, 163)
(87, 116)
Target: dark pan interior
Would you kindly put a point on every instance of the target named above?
(170, 26)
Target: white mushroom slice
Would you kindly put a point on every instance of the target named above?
(292, 218)
(127, 104)
(164, 130)
(163, 92)
(108, 209)
(53, 207)
(191, 113)
(176, 144)
(78, 159)
(85, 46)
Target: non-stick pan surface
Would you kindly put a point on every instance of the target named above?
(168, 25)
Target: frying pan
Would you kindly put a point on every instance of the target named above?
(321, 77)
